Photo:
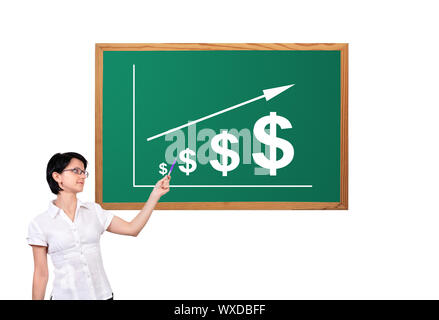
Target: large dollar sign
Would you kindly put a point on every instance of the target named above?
(225, 153)
(273, 142)
(190, 165)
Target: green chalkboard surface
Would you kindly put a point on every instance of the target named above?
(250, 126)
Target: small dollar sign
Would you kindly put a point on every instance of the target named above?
(273, 142)
(224, 151)
(191, 165)
(163, 169)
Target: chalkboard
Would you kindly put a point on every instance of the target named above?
(243, 126)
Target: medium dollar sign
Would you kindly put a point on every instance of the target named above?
(163, 170)
(190, 165)
(273, 142)
(224, 152)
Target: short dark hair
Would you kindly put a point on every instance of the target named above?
(58, 163)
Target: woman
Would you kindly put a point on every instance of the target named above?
(69, 231)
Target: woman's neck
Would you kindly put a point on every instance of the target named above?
(67, 202)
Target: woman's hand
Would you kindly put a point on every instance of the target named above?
(161, 187)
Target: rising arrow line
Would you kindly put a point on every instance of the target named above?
(268, 94)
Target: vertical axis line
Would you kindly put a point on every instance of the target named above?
(134, 125)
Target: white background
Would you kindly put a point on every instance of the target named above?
(384, 247)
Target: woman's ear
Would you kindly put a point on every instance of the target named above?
(55, 176)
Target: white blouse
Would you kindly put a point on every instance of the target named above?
(74, 249)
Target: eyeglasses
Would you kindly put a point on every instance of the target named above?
(77, 171)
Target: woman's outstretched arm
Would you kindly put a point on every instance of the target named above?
(133, 228)
(41, 272)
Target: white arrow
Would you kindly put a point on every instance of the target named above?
(268, 95)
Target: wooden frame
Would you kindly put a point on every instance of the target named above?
(342, 47)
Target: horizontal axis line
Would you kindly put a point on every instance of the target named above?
(231, 186)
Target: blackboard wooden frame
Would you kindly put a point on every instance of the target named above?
(342, 47)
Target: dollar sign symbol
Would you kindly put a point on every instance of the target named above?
(224, 152)
(274, 142)
(163, 169)
(191, 165)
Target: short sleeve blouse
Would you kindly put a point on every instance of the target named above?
(74, 248)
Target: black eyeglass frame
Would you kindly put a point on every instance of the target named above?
(77, 171)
